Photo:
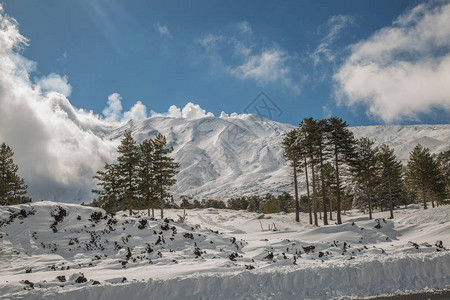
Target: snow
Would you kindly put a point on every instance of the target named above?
(218, 254)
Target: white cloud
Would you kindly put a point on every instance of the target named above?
(189, 111)
(55, 83)
(113, 110)
(247, 60)
(174, 112)
(403, 70)
(54, 144)
(269, 66)
(163, 30)
(137, 112)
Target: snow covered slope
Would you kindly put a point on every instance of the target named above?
(64, 251)
(221, 157)
(404, 138)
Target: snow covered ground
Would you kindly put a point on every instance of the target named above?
(54, 250)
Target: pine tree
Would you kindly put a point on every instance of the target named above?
(285, 201)
(164, 169)
(363, 168)
(330, 184)
(127, 164)
(12, 187)
(302, 138)
(308, 130)
(110, 195)
(315, 137)
(146, 175)
(418, 172)
(292, 154)
(443, 160)
(341, 143)
(390, 174)
(322, 155)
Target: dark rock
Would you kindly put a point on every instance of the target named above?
(81, 279)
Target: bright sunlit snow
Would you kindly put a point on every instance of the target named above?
(55, 250)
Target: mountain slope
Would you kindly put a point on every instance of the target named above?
(234, 156)
(221, 157)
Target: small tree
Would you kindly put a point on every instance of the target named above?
(164, 169)
(423, 175)
(285, 202)
(111, 192)
(390, 174)
(127, 164)
(363, 168)
(443, 160)
(146, 174)
(12, 187)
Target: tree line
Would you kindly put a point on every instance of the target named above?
(140, 178)
(337, 166)
(267, 204)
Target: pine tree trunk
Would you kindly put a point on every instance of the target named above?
(338, 186)
(130, 207)
(297, 211)
(424, 196)
(370, 202)
(316, 222)
(307, 191)
(162, 201)
(331, 208)
(324, 192)
(391, 203)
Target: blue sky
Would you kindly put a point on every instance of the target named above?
(360, 60)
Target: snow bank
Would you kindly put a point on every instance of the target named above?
(353, 280)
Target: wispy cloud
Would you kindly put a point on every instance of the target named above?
(244, 27)
(403, 70)
(334, 26)
(245, 59)
(268, 66)
(163, 30)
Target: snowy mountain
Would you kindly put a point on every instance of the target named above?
(226, 157)
(223, 157)
(403, 138)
